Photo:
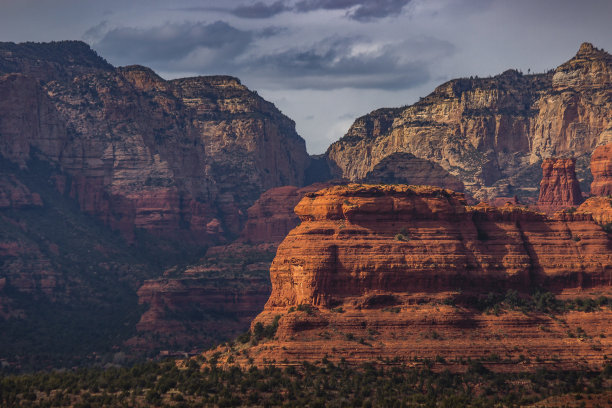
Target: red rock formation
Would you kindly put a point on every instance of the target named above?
(182, 159)
(13, 194)
(600, 208)
(490, 132)
(559, 187)
(205, 303)
(372, 265)
(601, 167)
(272, 216)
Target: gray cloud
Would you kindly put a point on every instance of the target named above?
(362, 10)
(260, 10)
(342, 62)
(331, 63)
(172, 42)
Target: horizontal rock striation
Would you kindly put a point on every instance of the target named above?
(369, 271)
(205, 303)
(182, 159)
(492, 133)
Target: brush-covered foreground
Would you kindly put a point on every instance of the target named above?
(324, 384)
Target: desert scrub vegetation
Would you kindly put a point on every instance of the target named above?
(325, 384)
(538, 301)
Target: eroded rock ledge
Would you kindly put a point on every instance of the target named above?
(368, 274)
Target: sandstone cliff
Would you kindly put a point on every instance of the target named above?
(182, 159)
(369, 272)
(171, 165)
(601, 167)
(492, 133)
(559, 188)
(271, 217)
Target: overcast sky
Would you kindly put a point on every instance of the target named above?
(322, 62)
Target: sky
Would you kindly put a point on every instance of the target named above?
(323, 63)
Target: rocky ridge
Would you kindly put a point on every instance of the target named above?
(391, 272)
(492, 133)
(182, 159)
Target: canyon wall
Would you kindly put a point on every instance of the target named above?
(395, 272)
(492, 133)
(182, 159)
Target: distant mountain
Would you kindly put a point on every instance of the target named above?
(492, 133)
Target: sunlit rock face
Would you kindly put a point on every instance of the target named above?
(368, 274)
(492, 133)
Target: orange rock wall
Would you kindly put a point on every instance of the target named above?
(601, 167)
(559, 187)
(362, 239)
(375, 264)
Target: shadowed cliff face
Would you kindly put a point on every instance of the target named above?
(110, 175)
(182, 159)
(375, 272)
(489, 132)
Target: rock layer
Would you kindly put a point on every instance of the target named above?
(559, 188)
(366, 274)
(492, 132)
(205, 303)
(601, 167)
(182, 159)
(272, 217)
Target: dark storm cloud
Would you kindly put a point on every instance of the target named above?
(172, 42)
(260, 10)
(338, 63)
(331, 63)
(360, 10)
(364, 10)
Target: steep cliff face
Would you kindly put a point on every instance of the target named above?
(171, 165)
(601, 167)
(182, 159)
(250, 146)
(492, 133)
(559, 188)
(371, 272)
(272, 216)
(359, 239)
